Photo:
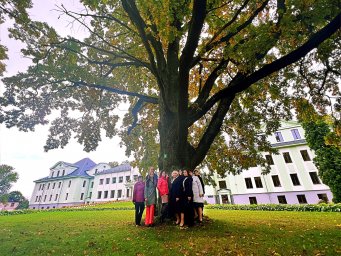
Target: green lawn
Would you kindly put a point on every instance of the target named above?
(111, 232)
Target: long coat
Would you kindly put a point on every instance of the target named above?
(150, 190)
(197, 190)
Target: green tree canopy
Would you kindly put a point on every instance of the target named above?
(328, 157)
(7, 177)
(194, 73)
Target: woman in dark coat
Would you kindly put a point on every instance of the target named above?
(175, 195)
(188, 200)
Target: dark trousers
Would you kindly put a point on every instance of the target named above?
(164, 212)
(189, 213)
(139, 208)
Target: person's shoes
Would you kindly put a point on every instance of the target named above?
(183, 227)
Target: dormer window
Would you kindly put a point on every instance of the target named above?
(63, 173)
(279, 137)
(295, 133)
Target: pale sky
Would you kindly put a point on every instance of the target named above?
(24, 150)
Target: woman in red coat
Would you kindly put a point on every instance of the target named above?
(162, 186)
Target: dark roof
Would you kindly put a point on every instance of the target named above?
(81, 167)
(119, 168)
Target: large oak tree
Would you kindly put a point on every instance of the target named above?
(201, 77)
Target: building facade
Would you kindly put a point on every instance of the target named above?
(293, 178)
(81, 183)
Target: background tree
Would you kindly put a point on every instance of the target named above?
(328, 157)
(194, 73)
(17, 196)
(7, 177)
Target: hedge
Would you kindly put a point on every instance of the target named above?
(279, 207)
(252, 207)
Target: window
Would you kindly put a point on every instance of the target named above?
(120, 179)
(222, 184)
(90, 195)
(92, 184)
(54, 184)
(301, 199)
(282, 200)
(82, 196)
(12, 204)
(99, 195)
(276, 181)
(45, 198)
(56, 197)
(248, 183)
(105, 194)
(107, 180)
(127, 178)
(305, 155)
(50, 197)
(39, 199)
(287, 157)
(66, 196)
(269, 160)
(36, 198)
(314, 178)
(101, 181)
(294, 179)
(135, 177)
(52, 174)
(323, 197)
(128, 192)
(114, 180)
(295, 133)
(48, 186)
(69, 183)
(279, 137)
(42, 208)
(258, 182)
(59, 184)
(58, 173)
(253, 200)
(84, 183)
(119, 193)
(43, 187)
(63, 173)
(112, 193)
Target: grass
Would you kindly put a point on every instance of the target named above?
(225, 233)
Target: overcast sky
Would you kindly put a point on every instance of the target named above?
(24, 150)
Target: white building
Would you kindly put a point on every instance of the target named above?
(114, 184)
(81, 183)
(293, 178)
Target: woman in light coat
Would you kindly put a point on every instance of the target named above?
(198, 196)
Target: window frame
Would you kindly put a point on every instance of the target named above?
(248, 183)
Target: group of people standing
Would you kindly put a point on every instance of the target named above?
(182, 197)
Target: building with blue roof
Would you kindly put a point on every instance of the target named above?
(82, 182)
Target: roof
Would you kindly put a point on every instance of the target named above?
(119, 168)
(82, 166)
